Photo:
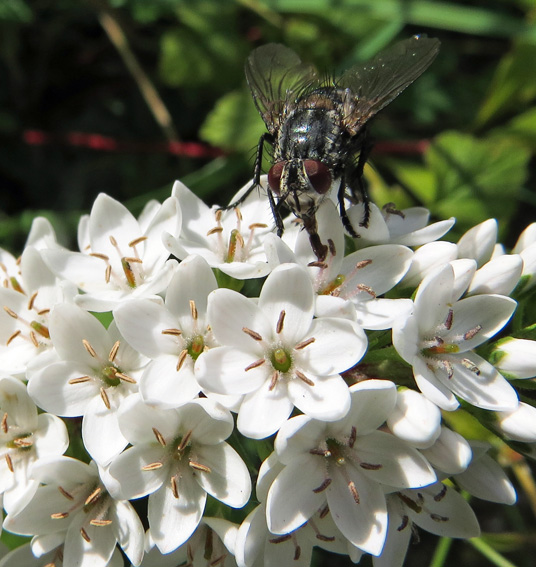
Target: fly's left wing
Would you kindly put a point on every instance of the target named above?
(276, 77)
(378, 82)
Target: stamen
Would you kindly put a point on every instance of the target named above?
(100, 256)
(281, 539)
(449, 319)
(84, 534)
(100, 523)
(10, 312)
(152, 466)
(255, 225)
(471, 366)
(174, 487)
(252, 334)
(438, 518)
(324, 512)
(199, 467)
(305, 343)
(23, 442)
(353, 437)
(93, 497)
(67, 495)
(43, 312)
(182, 357)
(105, 398)
(273, 380)
(304, 378)
(472, 333)
(5, 427)
(32, 301)
(79, 380)
(59, 515)
(89, 348)
(159, 437)
(108, 273)
(367, 289)
(113, 241)
(133, 260)
(317, 264)
(363, 264)
(280, 321)
(218, 214)
(255, 364)
(331, 246)
(137, 241)
(193, 310)
(238, 213)
(113, 351)
(297, 552)
(184, 442)
(125, 378)
(13, 336)
(370, 466)
(216, 229)
(34, 340)
(440, 495)
(353, 491)
(172, 332)
(323, 486)
(9, 462)
(404, 524)
(322, 537)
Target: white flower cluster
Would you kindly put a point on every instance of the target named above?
(166, 406)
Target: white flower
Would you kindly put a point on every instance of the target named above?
(29, 292)
(177, 457)
(25, 437)
(519, 424)
(120, 256)
(390, 226)
(72, 504)
(516, 358)
(437, 509)
(97, 370)
(450, 454)
(415, 419)
(427, 259)
(345, 464)
(172, 335)
(348, 286)
(277, 355)
(211, 545)
(479, 242)
(437, 340)
(499, 275)
(484, 477)
(228, 240)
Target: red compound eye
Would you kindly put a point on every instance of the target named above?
(274, 177)
(318, 174)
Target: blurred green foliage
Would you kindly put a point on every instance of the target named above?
(460, 141)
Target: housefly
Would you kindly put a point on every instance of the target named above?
(317, 128)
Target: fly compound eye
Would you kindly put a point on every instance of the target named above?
(318, 174)
(274, 177)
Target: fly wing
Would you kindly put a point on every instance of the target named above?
(276, 77)
(379, 81)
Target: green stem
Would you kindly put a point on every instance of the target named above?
(489, 553)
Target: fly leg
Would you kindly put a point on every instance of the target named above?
(276, 213)
(310, 225)
(266, 137)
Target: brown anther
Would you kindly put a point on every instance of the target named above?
(238, 213)
(137, 241)
(305, 343)
(9, 462)
(182, 357)
(43, 312)
(59, 515)
(255, 364)
(280, 539)
(219, 560)
(133, 260)
(159, 437)
(193, 310)
(363, 264)
(322, 537)
(100, 256)
(404, 524)
(32, 301)
(218, 214)
(10, 312)
(370, 466)
(113, 241)
(93, 497)
(34, 340)
(297, 553)
(125, 378)
(331, 246)
(152, 466)
(353, 491)
(5, 427)
(3, 267)
(449, 319)
(470, 365)
(172, 332)
(85, 535)
(255, 225)
(252, 334)
(113, 351)
(317, 264)
(367, 289)
(23, 442)
(472, 333)
(280, 321)
(215, 230)
(108, 273)
(79, 380)
(323, 512)
(199, 467)
(304, 378)
(323, 486)
(448, 369)
(105, 398)
(320, 452)
(13, 336)
(174, 487)
(89, 348)
(100, 523)
(273, 380)
(353, 437)
(63, 492)
(438, 518)
(184, 441)
(441, 494)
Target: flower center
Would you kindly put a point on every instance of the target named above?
(281, 360)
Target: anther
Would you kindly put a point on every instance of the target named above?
(199, 467)
(85, 535)
(255, 225)
(93, 497)
(317, 264)
(172, 332)
(252, 334)
(32, 301)
(370, 466)
(89, 348)
(174, 487)
(113, 351)
(137, 241)
(159, 437)
(100, 523)
(108, 273)
(273, 380)
(449, 319)
(331, 246)
(5, 427)
(100, 256)
(10, 312)
(193, 310)
(323, 486)
(280, 321)
(281, 539)
(64, 492)
(13, 336)
(441, 494)
(182, 357)
(125, 378)
(216, 229)
(59, 515)
(323, 537)
(238, 213)
(34, 340)
(472, 333)
(404, 524)
(79, 380)
(305, 343)
(438, 518)
(9, 462)
(353, 437)
(255, 364)
(152, 466)
(113, 241)
(304, 378)
(353, 491)
(184, 442)
(105, 398)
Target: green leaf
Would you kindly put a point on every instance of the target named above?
(234, 123)
(523, 128)
(15, 11)
(476, 179)
(513, 85)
